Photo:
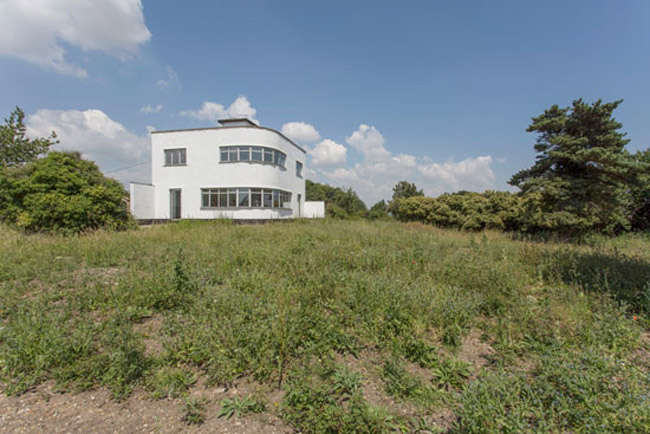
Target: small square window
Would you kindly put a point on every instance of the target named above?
(175, 157)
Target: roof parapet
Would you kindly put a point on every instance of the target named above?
(237, 122)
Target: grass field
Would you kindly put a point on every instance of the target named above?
(338, 326)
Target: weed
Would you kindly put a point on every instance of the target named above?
(451, 373)
(169, 382)
(194, 410)
(239, 407)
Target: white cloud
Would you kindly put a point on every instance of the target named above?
(373, 178)
(328, 153)
(301, 132)
(171, 79)
(212, 111)
(35, 30)
(98, 138)
(147, 109)
(368, 141)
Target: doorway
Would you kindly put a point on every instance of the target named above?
(175, 203)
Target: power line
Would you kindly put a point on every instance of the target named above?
(128, 167)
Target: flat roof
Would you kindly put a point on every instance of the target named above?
(245, 121)
(233, 126)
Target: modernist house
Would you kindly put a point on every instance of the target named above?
(239, 170)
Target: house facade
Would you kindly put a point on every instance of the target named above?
(238, 171)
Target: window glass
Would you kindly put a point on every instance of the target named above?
(299, 169)
(223, 198)
(214, 198)
(268, 199)
(205, 198)
(244, 153)
(256, 153)
(175, 157)
(276, 198)
(224, 154)
(268, 155)
(233, 153)
(232, 197)
(243, 197)
(256, 197)
(281, 160)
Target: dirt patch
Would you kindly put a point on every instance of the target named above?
(475, 351)
(149, 328)
(43, 411)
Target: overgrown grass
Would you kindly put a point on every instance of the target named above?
(279, 305)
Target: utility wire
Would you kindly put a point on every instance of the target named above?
(128, 167)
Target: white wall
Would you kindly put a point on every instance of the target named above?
(204, 170)
(314, 210)
(142, 201)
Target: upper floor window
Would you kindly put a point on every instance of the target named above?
(175, 157)
(298, 169)
(255, 154)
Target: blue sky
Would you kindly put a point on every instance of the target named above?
(436, 92)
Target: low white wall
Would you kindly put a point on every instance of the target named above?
(142, 201)
(314, 210)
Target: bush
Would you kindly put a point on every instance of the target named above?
(463, 210)
(61, 193)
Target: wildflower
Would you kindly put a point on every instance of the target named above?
(634, 317)
(413, 261)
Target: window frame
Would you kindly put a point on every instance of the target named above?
(220, 198)
(254, 154)
(181, 156)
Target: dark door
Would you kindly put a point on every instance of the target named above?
(175, 203)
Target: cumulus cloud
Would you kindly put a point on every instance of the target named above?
(301, 132)
(328, 153)
(170, 79)
(36, 30)
(368, 141)
(148, 109)
(212, 111)
(379, 170)
(98, 138)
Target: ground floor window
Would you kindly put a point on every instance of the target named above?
(212, 198)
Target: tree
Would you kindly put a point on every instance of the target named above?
(581, 178)
(15, 147)
(379, 211)
(339, 203)
(405, 189)
(61, 193)
(402, 190)
(640, 207)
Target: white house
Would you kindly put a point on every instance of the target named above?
(239, 170)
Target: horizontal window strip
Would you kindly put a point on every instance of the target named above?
(244, 197)
(253, 154)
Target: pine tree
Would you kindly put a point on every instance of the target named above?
(582, 175)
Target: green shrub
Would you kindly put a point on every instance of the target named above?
(61, 193)
(463, 210)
